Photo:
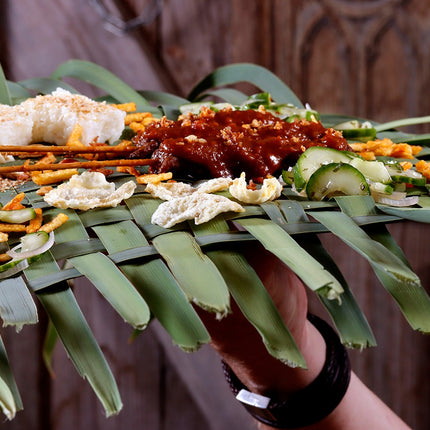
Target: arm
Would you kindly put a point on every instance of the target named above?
(241, 348)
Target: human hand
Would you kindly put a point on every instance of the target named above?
(240, 345)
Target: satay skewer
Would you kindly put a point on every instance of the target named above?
(9, 149)
(74, 165)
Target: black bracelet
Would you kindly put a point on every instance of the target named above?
(309, 405)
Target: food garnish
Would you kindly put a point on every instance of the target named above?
(16, 218)
(87, 191)
(385, 147)
(270, 190)
(200, 207)
(187, 202)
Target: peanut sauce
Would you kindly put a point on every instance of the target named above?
(229, 142)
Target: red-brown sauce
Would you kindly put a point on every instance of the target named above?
(229, 142)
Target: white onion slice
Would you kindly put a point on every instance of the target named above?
(26, 254)
(23, 264)
(406, 201)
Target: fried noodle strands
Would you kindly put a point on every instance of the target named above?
(4, 237)
(126, 107)
(35, 223)
(9, 228)
(15, 203)
(4, 258)
(53, 176)
(75, 135)
(59, 220)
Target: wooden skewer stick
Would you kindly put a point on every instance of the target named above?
(74, 165)
(63, 149)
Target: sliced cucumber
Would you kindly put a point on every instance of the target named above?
(409, 176)
(194, 108)
(312, 159)
(220, 106)
(12, 268)
(374, 171)
(354, 130)
(379, 187)
(406, 179)
(33, 240)
(336, 179)
(32, 246)
(17, 216)
(9, 265)
(288, 177)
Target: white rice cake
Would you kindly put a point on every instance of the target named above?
(15, 125)
(55, 115)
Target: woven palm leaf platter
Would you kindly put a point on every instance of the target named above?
(147, 272)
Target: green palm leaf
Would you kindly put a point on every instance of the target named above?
(412, 214)
(276, 240)
(75, 334)
(157, 286)
(228, 95)
(10, 399)
(402, 283)
(195, 273)
(4, 90)
(7, 402)
(16, 303)
(17, 93)
(45, 85)
(49, 343)
(144, 270)
(115, 287)
(246, 72)
(251, 296)
(347, 316)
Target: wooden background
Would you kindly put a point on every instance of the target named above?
(368, 58)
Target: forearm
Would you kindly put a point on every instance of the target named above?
(359, 409)
(241, 347)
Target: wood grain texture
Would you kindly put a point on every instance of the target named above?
(366, 58)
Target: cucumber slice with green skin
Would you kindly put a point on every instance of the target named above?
(374, 171)
(379, 187)
(9, 265)
(336, 179)
(287, 177)
(17, 216)
(33, 240)
(312, 159)
(354, 130)
(32, 246)
(194, 108)
(398, 175)
(417, 182)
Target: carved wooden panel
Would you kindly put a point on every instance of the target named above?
(369, 58)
